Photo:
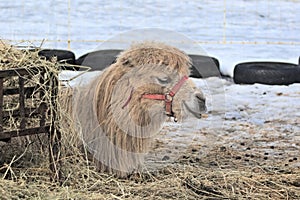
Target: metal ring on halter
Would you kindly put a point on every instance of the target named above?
(168, 97)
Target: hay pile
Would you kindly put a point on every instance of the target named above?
(12, 57)
(25, 173)
(188, 178)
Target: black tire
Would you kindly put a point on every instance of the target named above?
(298, 76)
(63, 56)
(270, 73)
(204, 66)
(98, 60)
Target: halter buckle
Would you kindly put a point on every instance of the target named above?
(168, 97)
(168, 105)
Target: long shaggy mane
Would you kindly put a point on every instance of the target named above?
(116, 144)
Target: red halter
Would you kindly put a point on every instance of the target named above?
(168, 97)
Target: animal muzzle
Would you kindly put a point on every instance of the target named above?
(197, 106)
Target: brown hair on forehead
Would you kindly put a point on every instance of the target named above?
(156, 53)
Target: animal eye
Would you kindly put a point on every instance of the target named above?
(163, 80)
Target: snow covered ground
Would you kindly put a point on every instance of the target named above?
(233, 31)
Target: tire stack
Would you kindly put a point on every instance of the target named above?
(270, 73)
(202, 66)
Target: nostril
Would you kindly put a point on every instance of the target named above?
(201, 101)
(200, 97)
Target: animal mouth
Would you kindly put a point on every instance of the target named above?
(196, 114)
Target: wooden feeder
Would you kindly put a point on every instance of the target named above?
(32, 113)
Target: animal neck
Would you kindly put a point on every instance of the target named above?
(125, 133)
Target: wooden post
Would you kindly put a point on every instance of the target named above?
(54, 133)
(22, 102)
(1, 105)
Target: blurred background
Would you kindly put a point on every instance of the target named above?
(231, 30)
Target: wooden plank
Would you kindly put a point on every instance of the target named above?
(29, 112)
(1, 105)
(42, 95)
(22, 103)
(24, 132)
(20, 71)
(12, 91)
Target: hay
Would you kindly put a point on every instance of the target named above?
(25, 173)
(12, 57)
(188, 178)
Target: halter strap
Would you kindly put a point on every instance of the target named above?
(168, 97)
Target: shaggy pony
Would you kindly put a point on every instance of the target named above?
(115, 123)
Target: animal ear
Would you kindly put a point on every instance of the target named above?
(126, 62)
